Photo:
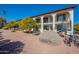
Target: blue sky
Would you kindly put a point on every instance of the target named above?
(19, 11)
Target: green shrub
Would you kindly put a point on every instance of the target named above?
(13, 30)
(76, 28)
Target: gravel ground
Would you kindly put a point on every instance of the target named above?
(32, 44)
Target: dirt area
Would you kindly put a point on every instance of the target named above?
(33, 45)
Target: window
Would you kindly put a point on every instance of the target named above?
(69, 26)
(46, 27)
(38, 21)
(51, 27)
(61, 17)
(45, 20)
(51, 20)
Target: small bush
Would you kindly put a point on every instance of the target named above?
(12, 30)
(5, 28)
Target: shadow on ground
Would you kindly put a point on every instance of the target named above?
(11, 47)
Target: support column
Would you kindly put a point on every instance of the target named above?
(42, 26)
(49, 22)
(54, 15)
(72, 19)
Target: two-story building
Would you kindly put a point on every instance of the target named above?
(61, 19)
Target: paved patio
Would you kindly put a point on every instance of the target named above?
(33, 45)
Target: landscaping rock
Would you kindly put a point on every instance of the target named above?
(50, 37)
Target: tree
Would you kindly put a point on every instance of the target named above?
(76, 28)
(2, 18)
(2, 22)
(28, 23)
(24, 24)
(11, 24)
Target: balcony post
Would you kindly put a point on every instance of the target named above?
(53, 16)
(42, 26)
(72, 23)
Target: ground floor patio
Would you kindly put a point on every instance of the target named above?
(33, 45)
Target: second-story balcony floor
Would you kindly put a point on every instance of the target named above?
(45, 23)
(62, 22)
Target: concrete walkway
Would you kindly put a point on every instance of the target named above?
(33, 45)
